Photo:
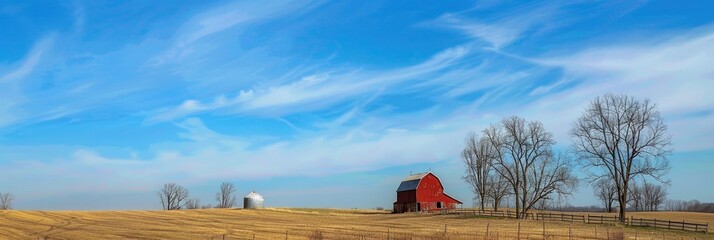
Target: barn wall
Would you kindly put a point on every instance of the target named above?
(405, 207)
(430, 191)
(406, 196)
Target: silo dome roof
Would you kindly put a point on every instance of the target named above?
(254, 195)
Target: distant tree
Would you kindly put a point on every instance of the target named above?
(6, 201)
(544, 203)
(525, 159)
(226, 196)
(172, 196)
(605, 191)
(653, 196)
(498, 190)
(636, 198)
(477, 156)
(193, 203)
(620, 138)
(697, 206)
(674, 205)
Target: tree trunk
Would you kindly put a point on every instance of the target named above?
(623, 206)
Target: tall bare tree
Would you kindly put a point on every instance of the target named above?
(6, 201)
(524, 158)
(477, 156)
(620, 138)
(226, 196)
(605, 191)
(172, 196)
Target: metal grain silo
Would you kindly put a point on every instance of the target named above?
(253, 201)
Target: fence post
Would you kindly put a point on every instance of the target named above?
(519, 230)
(607, 230)
(487, 225)
(444, 229)
(286, 234)
(570, 232)
(543, 230)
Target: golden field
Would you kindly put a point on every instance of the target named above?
(311, 224)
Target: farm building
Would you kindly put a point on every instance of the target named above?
(253, 201)
(422, 192)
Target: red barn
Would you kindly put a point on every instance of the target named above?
(422, 192)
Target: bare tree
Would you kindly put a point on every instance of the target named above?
(524, 158)
(635, 200)
(477, 155)
(653, 196)
(172, 196)
(498, 190)
(620, 138)
(193, 203)
(226, 196)
(605, 191)
(6, 201)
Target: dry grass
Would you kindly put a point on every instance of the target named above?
(301, 224)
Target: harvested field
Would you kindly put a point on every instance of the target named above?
(303, 224)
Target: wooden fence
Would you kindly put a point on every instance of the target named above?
(595, 219)
(677, 225)
(560, 217)
(602, 219)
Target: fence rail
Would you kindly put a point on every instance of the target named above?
(602, 219)
(560, 217)
(677, 225)
(596, 219)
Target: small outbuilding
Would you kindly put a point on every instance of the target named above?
(253, 201)
(423, 192)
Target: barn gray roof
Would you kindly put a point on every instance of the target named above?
(411, 182)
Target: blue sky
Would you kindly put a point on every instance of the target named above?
(324, 104)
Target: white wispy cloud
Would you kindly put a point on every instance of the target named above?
(27, 64)
(209, 155)
(314, 91)
(11, 96)
(674, 71)
(235, 15)
(502, 29)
